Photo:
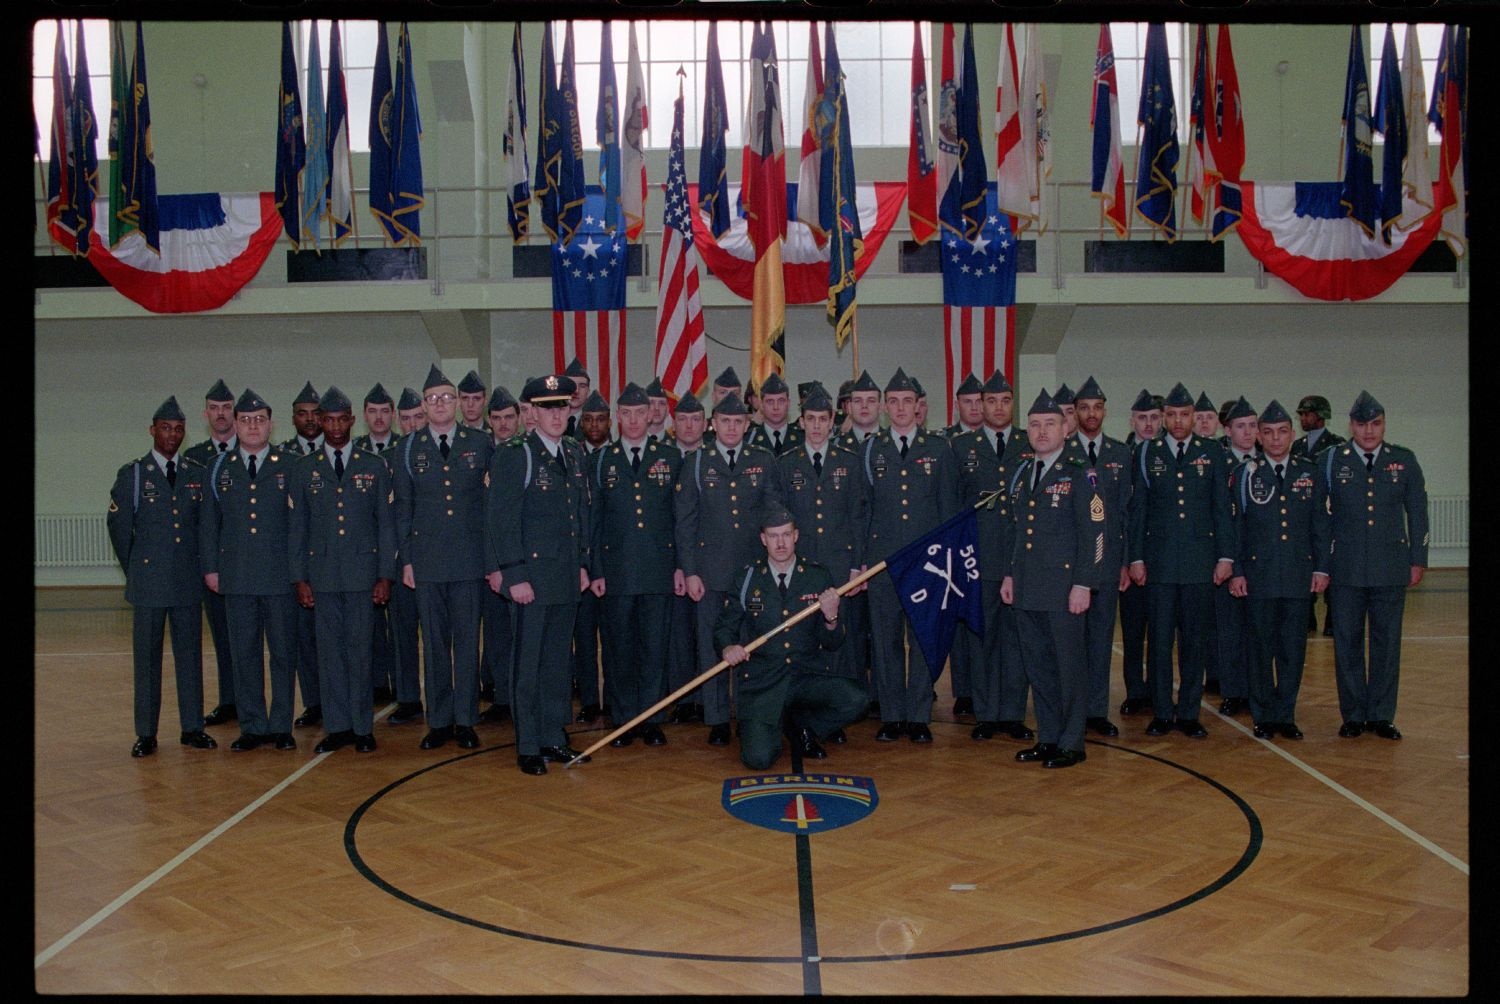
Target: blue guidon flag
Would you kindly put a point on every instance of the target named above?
(800, 803)
(937, 579)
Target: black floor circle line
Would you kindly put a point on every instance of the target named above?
(1247, 857)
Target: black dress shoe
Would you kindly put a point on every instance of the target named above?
(384, 695)
(588, 714)
(1192, 728)
(284, 741)
(561, 754)
(467, 738)
(364, 744)
(623, 739)
(531, 764)
(334, 741)
(436, 737)
(889, 732)
(312, 716)
(837, 736)
(144, 746)
(1351, 730)
(200, 740)
(963, 706)
(1103, 726)
(984, 730)
(652, 735)
(919, 732)
(1065, 758)
(495, 714)
(406, 711)
(1016, 730)
(808, 745)
(1041, 751)
(1289, 730)
(1135, 705)
(246, 741)
(1385, 730)
(221, 714)
(718, 735)
(1158, 727)
(1265, 730)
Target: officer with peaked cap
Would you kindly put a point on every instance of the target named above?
(440, 475)
(1280, 505)
(471, 401)
(682, 636)
(579, 374)
(634, 563)
(153, 527)
(538, 531)
(913, 481)
(343, 553)
(1377, 497)
(786, 687)
(218, 409)
(988, 680)
(1055, 564)
(593, 437)
(722, 491)
(242, 547)
(1145, 425)
(1109, 459)
(970, 410)
(1181, 545)
(409, 411)
(1229, 639)
(775, 432)
(1205, 417)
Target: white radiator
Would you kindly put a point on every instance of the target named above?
(1448, 517)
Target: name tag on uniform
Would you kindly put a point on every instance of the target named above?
(1262, 489)
(710, 477)
(149, 489)
(611, 476)
(755, 603)
(797, 479)
(317, 479)
(226, 481)
(1158, 464)
(281, 481)
(420, 463)
(878, 466)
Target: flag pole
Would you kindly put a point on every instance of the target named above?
(722, 665)
(853, 332)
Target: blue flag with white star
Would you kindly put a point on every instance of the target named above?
(937, 579)
(588, 272)
(981, 272)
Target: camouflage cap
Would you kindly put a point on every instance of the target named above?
(1317, 404)
(169, 411)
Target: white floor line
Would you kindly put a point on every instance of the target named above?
(1384, 817)
(47, 954)
(74, 655)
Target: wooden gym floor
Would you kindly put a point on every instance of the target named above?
(1222, 866)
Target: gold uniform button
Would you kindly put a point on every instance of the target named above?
(1031, 517)
(252, 515)
(1370, 507)
(786, 644)
(1372, 522)
(820, 515)
(341, 505)
(640, 512)
(1032, 503)
(446, 498)
(341, 518)
(1179, 474)
(145, 561)
(1029, 531)
(1283, 512)
(820, 529)
(1182, 515)
(1028, 545)
(179, 540)
(447, 484)
(905, 516)
(252, 529)
(450, 513)
(734, 512)
(906, 502)
(734, 498)
(1370, 494)
(339, 491)
(1283, 536)
(736, 526)
(341, 531)
(637, 498)
(641, 525)
(1283, 523)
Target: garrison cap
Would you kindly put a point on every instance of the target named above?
(1144, 401)
(471, 383)
(864, 382)
(251, 401)
(729, 378)
(777, 515)
(1089, 392)
(409, 399)
(576, 369)
(1045, 404)
(845, 389)
(687, 404)
(730, 404)
(773, 384)
(971, 385)
(1240, 409)
(1204, 404)
(917, 386)
(818, 400)
(169, 412)
(653, 389)
(632, 395)
(307, 396)
(899, 382)
(548, 390)
(219, 392)
(1179, 397)
(1366, 408)
(1317, 404)
(435, 378)
(335, 400)
(1064, 395)
(378, 395)
(595, 404)
(997, 384)
(500, 399)
(805, 388)
(1274, 413)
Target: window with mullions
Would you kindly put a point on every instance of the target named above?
(96, 48)
(358, 39)
(875, 56)
(1429, 43)
(1129, 39)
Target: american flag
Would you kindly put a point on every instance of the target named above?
(979, 295)
(588, 300)
(681, 346)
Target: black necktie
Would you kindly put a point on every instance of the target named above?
(1037, 481)
(731, 459)
(1000, 442)
(380, 447)
(1370, 462)
(776, 443)
(561, 460)
(223, 447)
(1093, 456)
(172, 473)
(311, 446)
(903, 447)
(252, 467)
(818, 463)
(635, 459)
(781, 583)
(338, 464)
(443, 445)
(1181, 449)
(1279, 482)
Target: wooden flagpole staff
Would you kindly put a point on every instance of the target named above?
(722, 665)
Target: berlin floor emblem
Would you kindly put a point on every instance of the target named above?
(800, 803)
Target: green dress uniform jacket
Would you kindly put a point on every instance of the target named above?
(1380, 525)
(1179, 521)
(718, 511)
(153, 528)
(831, 508)
(1282, 528)
(634, 548)
(440, 505)
(1060, 535)
(1328, 439)
(538, 527)
(342, 534)
(243, 531)
(760, 436)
